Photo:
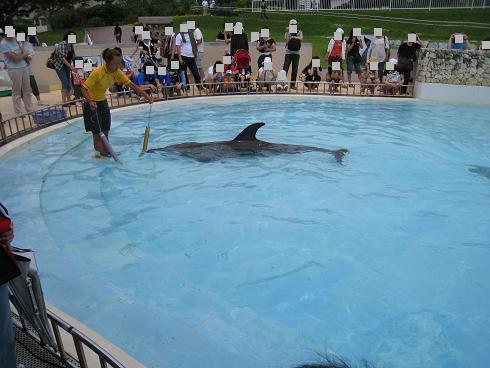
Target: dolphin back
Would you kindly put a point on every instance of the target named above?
(248, 134)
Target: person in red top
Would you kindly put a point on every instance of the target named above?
(7, 340)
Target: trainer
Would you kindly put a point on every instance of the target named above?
(96, 112)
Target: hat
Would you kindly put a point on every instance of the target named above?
(239, 24)
(394, 61)
(267, 60)
(339, 30)
(293, 21)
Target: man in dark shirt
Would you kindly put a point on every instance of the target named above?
(407, 54)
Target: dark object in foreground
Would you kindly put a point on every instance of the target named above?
(244, 144)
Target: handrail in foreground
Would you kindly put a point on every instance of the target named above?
(24, 124)
(80, 340)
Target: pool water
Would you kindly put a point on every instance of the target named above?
(266, 261)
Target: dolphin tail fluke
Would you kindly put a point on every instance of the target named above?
(339, 154)
(248, 134)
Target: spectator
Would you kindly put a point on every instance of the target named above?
(335, 51)
(311, 76)
(147, 48)
(64, 54)
(263, 10)
(198, 36)
(266, 46)
(379, 51)
(17, 68)
(239, 41)
(175, 81)
(117, 33)
(224, 36)
(212, 76)
(481, 46)
(205, 5)
(229, 80)
(32, 79)
(186, 52)
(293, 45)
(265, 77)
(453, 45)
(34, 40)
(393, 80)
(282, 83)
(369, 79)
(149, 81)
(407, 54)
(211, 7)
(7, 337)
(354, 45)
(336, 78)
(96, 112)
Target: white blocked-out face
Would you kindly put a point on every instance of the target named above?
(184, 28)
(220, 68)
(336, 65)
(378, 32)
(412, 37)
(162, 70)
(21, 37)
(458, 38)
(357, 32)
(485, 45)
(229, 27)
(293, 28)
(237, 30)
(87, 67)
(79, 64)
(373, 65)
(254, 36)
(337, 36)
(390, 66)
(315, 63)
(150, 69)
(227, 60)
(174, 65)
(138, 30)
(146, 35)
(191, 24)
(169, 31)
(72, 38)
(10, 31)
(264, 32)
(268, 65)
(31, 31)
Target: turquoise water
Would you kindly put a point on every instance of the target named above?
(265, 261)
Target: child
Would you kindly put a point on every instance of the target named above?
(212, 76)
(282, 84)
(392, 81)
(335, 80)
(369, 79)
(265, 77)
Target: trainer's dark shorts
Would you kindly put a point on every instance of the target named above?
(90, 118)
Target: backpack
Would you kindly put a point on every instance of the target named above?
(294, 44)
(336, 49)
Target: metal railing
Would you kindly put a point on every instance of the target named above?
(21, 125)
(80, 342)
(317, 5)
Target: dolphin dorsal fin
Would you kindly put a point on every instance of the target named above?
(248, 134)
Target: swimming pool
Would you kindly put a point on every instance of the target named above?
(263, 261)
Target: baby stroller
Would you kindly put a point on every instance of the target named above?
(242, 63)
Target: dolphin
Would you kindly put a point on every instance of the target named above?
(244, 143)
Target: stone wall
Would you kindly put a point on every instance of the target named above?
(471, 68)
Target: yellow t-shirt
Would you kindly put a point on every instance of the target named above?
(100, 79)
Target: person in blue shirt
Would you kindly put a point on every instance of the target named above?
(151, 81)
(451, 44)
(15, 57)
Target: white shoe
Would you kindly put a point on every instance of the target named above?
(42, 103)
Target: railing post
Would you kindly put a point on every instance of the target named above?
(80, 354)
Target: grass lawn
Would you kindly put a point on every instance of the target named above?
(319, 27)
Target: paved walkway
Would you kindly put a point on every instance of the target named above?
(105, 35)
(7, 106)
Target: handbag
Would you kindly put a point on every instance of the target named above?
(8, 266)
(49, 62)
